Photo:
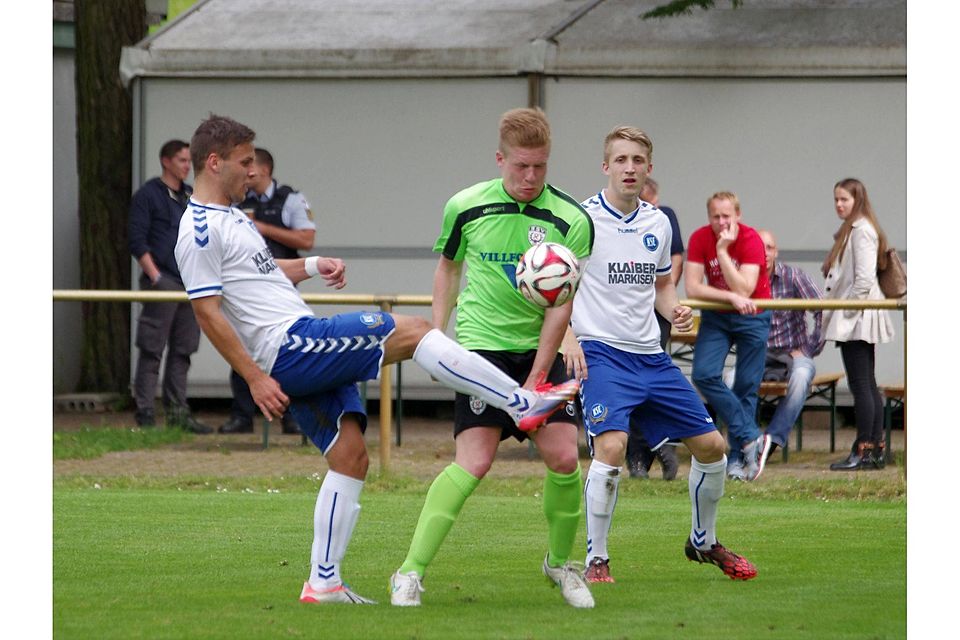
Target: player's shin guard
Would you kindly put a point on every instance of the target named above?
(599, 499)
(334, 518)
(706, 489)
(466, 372)
(561, 505)
(445, 498)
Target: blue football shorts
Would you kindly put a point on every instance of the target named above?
(649, 386)
(320, 363)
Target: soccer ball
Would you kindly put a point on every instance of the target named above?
(548, 274)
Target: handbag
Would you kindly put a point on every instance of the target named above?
(893, 279)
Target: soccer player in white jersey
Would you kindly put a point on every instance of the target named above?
(622, 368)
(246, 304)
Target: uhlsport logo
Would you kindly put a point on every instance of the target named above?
(371, 319)
(598, 413)
(477, 405)
(650, 242)
(536, 234)
(570, 409)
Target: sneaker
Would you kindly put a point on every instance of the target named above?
(405, 589)
(735, 471)
(669, 465)
(751, 458)
(598, 571)
(341, 593)
(766, 448)
(573, 586)
(734, 566)
(549, 398)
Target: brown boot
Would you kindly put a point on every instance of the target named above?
(859, 458)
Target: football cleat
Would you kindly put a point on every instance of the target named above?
(598, 571)
(736, 567)
(405, 589)
(549, 398)
(340, 593)
(573, 586)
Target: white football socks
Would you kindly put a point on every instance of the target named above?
(468, 373)
(599, 498)
(334, 518)
(706, 489)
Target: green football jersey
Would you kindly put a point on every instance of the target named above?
(489, 230)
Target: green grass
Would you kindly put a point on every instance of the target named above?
(91, 442)
(211, 559)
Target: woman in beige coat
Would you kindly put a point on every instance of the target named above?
(859, 250)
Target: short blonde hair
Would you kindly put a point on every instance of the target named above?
(526, 128)
(725, 195)
(632, 134)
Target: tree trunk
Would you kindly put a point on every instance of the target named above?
(104, 152)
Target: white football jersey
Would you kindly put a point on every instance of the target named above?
(614, 303)
(220, 252)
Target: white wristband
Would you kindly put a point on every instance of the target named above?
(310, 265)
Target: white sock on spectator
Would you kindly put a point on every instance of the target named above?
(599, 499)
(334, 518)
(706, 489)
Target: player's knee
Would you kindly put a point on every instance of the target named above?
(564, 462)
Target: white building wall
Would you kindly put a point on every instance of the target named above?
(377, 159)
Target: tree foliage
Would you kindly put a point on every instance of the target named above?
(683, 7)
(104, 133)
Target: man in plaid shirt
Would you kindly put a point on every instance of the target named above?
(790, 348)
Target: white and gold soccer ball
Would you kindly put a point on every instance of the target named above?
(548, 274)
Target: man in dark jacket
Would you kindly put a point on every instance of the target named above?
(155, 213)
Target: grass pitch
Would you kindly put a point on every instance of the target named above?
(201, 558)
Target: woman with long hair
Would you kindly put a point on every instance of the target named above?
(859, 250)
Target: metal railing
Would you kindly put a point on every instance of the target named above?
(387, 303)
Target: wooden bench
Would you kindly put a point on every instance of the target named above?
(823, 385)
(894, 396)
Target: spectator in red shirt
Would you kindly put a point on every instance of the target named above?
(732, 257)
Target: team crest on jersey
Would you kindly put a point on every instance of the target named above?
(477, 405)
(371, 319)
(536, 234)
(650, 242)
(598, 413)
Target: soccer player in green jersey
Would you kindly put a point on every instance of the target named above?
(489, 226)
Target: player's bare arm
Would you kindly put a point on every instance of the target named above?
(446, 287)
(266, 392)
(556, 321)
(332, 270)
(293, 238)
(573, 356)
(668, 304)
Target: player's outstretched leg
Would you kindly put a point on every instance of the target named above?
(471, 374)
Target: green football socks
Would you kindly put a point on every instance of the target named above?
(446, 497)
(561, 505)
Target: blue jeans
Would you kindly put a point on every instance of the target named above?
(790, 406)
(736, 407)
